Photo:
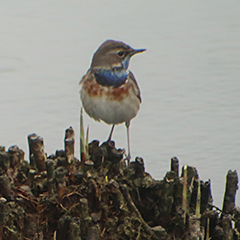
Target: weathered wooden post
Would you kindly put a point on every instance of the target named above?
(36, 151)
(175, 165)
(229, 203)
(15, 155)
(230, 192)
(69, 144)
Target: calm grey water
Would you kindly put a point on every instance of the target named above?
(189, 77)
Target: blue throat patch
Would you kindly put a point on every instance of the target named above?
(111, 77)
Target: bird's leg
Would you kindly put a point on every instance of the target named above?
(110, 135)
(128, 141)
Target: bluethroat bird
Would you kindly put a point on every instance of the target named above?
(109, 90)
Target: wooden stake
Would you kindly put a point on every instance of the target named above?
(69, 144)
(36, 151)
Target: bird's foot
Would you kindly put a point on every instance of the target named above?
(128, 158)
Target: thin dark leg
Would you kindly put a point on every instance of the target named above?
(128, 142)
(110, 135)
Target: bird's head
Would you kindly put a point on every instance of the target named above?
(113, 55)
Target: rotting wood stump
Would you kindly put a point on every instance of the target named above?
(58, 197)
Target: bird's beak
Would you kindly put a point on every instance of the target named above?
(135, 51)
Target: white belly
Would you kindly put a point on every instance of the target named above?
(110, 111)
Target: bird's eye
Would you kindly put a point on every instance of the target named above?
(120, 53)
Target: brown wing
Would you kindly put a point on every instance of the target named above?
(136, 89)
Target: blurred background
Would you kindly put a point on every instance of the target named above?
(189, 78)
